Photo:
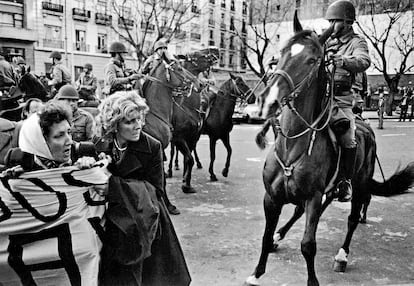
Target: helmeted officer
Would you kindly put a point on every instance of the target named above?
(348, 52)
(87, 83)
(115, 76)
(160, 54)
(8, 77)
(82, 121)
(60, 74)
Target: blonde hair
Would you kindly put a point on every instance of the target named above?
(117, 107)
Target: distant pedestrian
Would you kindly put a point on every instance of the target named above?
(404, 106)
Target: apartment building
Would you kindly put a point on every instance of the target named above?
(82, 30)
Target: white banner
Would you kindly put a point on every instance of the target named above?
(50, 223)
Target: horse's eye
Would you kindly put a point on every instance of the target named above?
(311, 61)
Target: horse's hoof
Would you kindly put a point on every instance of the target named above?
(173, 210)
(188, 190)
(251, 281)
(363, 220)
(199, 166)
(225, 172)
(340, 266)
(274, 248)
(169, 174)
(213, 178)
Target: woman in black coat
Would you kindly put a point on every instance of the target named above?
(140, 246)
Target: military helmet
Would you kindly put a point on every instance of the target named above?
(67, 92)
(88, 66)
(341, 10)
(117, 47)
(160, 44)
(55, 55)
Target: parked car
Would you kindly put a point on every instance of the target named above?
(248, 113)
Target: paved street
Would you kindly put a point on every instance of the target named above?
(221, 226)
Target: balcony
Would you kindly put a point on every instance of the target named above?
(125, 22)
(103, 19)
(81, 14)
(81, 46)
(180, 35)
(53, 43)
(211, 22)
(195, 36)
(222, 45)
(101, 49)
(52, 7)
(211, 43)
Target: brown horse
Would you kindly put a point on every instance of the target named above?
(166, 80)
(187, 119)
(302, 166)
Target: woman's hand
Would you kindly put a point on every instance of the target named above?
(85, 162)
(103, 156)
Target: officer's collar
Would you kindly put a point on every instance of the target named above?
(117, 62)
(345, 38)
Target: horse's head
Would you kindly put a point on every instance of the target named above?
(175, 76)
(299, 66)
(32, 85)
(201, 60)
(238, 87)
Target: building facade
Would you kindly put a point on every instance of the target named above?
(82, 31)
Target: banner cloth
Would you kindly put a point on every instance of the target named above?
(50, 227)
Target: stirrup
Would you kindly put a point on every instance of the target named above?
(344, 190)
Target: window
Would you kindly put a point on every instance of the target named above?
(232, 8)
(211, 35)
(244, 8)
(11, 52)
(222, 58)
(223, 3)
(80, 37)
(11, 20)
(53, 37)
(102, 43)
(231, 23)
(231, 59)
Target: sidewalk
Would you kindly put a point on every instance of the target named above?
(374, 115)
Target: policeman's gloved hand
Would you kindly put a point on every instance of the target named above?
(135, 77)
(337, 60)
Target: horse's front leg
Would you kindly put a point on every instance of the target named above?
(341, 258)
(272, 212)
(213, 141)
(197, 159)
(172, 151)
(176, 165)
(188, 167)
(281, 233)
(308, 244)
(226, 142)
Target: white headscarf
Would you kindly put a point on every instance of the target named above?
(31, 139)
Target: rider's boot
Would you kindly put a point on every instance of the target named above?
(345, 186)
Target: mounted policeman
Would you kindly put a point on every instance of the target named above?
(160, 54)
(60, 74)
(116, 78)
(347, 53)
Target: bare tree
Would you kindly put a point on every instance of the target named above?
(140, 19)
(266, 18)
(388, 28)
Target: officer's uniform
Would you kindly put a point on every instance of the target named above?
(8, 77)
(90, 80)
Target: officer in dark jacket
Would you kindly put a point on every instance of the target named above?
(115, 76)
(348, 52)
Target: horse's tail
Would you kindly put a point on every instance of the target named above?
(398, 183)
(261, 140)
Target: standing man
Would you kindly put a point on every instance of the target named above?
(87, 84)
(60, 74)
(82, 121)
(348, 53)
(115, 76)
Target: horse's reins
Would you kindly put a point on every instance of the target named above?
(295, 91)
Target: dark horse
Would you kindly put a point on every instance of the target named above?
(159, 89)
(31, 85)
(218, 123)
(303, 164)
(187, 119)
